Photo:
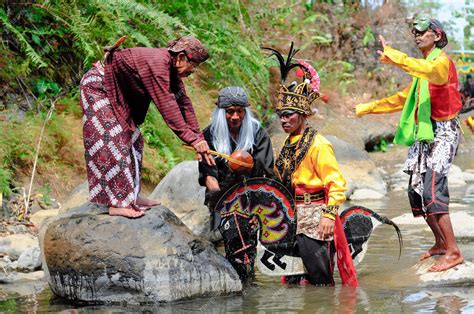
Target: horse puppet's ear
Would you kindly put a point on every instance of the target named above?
(358, 226)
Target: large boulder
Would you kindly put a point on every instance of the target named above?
(93, 257)
(359, 170)
(77, 197)
(15, 245)
(180, 191)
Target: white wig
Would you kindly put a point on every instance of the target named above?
(221, 135)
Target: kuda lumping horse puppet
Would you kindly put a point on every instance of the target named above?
(272, 243)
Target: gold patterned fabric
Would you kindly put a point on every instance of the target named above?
(299, 99)
(291, 156)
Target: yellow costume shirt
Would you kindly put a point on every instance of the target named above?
(435, 72)
(319, 169)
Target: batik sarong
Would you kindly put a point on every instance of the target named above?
(113, 153)
(428, 166)
(308, 220)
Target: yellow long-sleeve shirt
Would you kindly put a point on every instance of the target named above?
(435, 71)
(319, 169)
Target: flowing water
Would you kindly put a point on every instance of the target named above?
(386, 283)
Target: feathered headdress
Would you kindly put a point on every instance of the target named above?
(297, 97)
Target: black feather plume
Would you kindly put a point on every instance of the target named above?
(285, 65)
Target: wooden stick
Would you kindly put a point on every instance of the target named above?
(225, 156)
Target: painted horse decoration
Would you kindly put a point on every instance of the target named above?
(272, 243)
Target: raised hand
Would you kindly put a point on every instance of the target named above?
(383, 43)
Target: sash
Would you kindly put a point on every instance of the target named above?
(417, 103)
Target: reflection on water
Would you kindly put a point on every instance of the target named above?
(387, 284)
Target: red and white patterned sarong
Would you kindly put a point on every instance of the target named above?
(113, 153)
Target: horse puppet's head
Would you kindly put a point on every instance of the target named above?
(265, 199)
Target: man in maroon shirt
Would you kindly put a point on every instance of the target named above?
(115, 96)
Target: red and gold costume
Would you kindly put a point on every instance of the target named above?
(430, 156)
(442, 82)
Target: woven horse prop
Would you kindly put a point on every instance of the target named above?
(272, 242)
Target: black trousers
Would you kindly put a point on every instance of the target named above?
(318, 259)
(435, 195)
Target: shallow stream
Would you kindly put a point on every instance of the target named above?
(386, 283)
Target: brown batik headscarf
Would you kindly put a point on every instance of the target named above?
(191, 46)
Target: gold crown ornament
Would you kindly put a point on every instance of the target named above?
(296, 97)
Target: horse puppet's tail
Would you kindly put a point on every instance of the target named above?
(358, 225)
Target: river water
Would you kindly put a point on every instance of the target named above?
(386, 283)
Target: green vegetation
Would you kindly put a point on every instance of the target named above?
(47, 46)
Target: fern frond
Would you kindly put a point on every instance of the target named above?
(27, 49)
(170, 25)
(80, 27)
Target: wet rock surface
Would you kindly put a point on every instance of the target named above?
(180, 191)
(93, 257)
(458, 275)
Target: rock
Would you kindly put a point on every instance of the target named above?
(93, 257)
(36, 275)
(363, 194)
(23, 284)
(6, 264)
(180, 191)
(456, 177)
(38, 217)
(398, 180)
(462, 223)
(468, 175)
(356, 166)
(7, 277)
(29, 260)
(14, 245)
(460, 274)
(17, 228)
(78, 197)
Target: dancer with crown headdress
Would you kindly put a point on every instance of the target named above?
(308, 168)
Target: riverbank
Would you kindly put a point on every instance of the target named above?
(380, 265)
(386, 282)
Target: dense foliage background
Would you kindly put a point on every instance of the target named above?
(47, 46)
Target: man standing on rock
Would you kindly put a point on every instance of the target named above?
(233, 128)
(429, 125)
(308, 168)
(115, 97)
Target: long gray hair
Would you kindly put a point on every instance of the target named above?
(221, 135)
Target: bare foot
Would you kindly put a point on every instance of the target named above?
(447, 262)
(125, 212)
(435, 250)
(145, 203)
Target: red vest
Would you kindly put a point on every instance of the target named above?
(445, 99)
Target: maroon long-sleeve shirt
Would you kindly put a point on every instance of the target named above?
(134, 77)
